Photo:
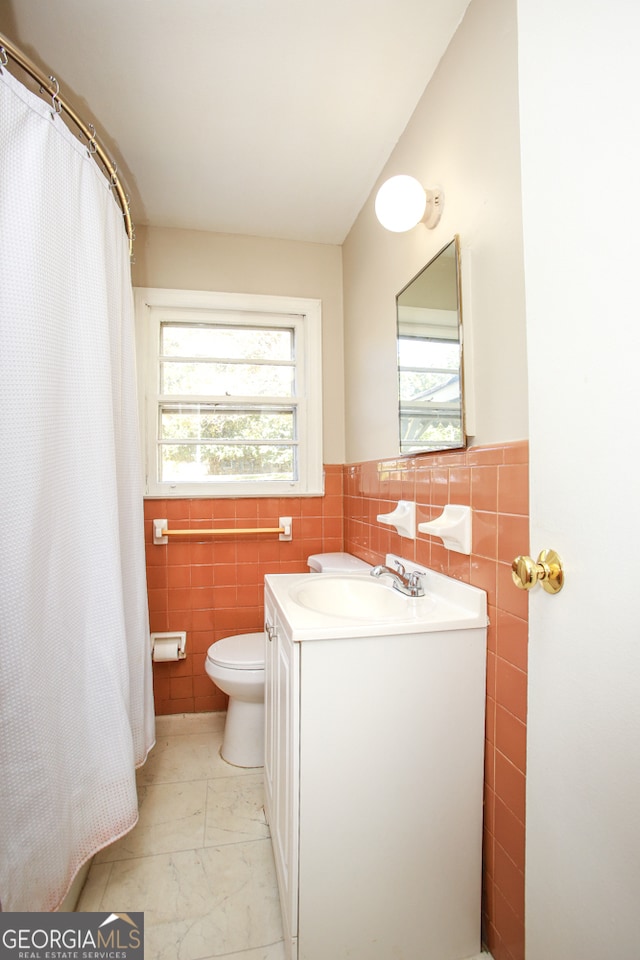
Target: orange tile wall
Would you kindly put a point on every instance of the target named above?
(214, 587)
(494, 482)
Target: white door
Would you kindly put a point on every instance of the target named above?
(579, 87)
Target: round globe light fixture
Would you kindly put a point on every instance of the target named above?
(402, 202)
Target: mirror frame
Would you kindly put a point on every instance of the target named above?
(455, 243)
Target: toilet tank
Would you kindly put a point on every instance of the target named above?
(337, 563)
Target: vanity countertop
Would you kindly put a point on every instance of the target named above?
(359, 606)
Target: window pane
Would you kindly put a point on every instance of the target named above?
(419, 352)
(209, 463)
(429, 432)
(428, 370)
(431, 386)
(232, 342)
(224, 379)
(217, 423)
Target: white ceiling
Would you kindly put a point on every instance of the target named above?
(259, 117)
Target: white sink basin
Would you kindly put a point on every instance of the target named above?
(360, 598)
(320, 605)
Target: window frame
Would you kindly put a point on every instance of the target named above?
(154, 305)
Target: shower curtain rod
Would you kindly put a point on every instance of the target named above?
(51, 86)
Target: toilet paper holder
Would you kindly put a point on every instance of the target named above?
(169, 646)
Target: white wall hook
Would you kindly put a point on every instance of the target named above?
(453, 526)
(403, 518)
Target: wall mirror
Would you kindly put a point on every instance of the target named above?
(429, 319)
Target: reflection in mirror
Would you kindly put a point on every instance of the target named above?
(430, 357)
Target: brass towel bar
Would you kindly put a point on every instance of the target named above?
(181, 533)
(161, 532)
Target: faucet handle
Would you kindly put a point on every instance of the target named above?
(414, 581)
(400, 567)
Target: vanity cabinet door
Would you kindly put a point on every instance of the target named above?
(282, 696)
(269, 707)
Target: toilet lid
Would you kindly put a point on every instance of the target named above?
(242, 652)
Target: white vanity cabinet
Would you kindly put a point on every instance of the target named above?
(374, 780)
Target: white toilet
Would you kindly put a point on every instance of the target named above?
(236, 666)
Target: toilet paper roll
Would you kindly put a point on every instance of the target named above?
(166, 650)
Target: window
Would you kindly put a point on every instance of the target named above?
(230, 392)
(430, 398)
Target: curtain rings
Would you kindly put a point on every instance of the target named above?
(4, 57)
(91, 146)
(55, 99)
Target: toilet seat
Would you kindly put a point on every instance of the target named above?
(245, 651)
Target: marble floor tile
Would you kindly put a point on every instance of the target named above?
(194, 756)
(200, 903)
(183, 724)
(199, 862)
(235, 810)
(274, 951)
(94, 888)
(171, 817)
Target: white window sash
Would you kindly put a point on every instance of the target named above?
(154, 305)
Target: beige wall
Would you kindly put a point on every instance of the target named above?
(192, 260)
(463, 137)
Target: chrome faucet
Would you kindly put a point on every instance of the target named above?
(409, 584)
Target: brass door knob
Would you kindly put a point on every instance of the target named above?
(526, 572)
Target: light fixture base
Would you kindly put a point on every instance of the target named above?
(433, 210)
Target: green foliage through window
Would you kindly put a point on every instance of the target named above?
(230, 422)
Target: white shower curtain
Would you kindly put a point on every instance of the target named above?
(76, 706)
